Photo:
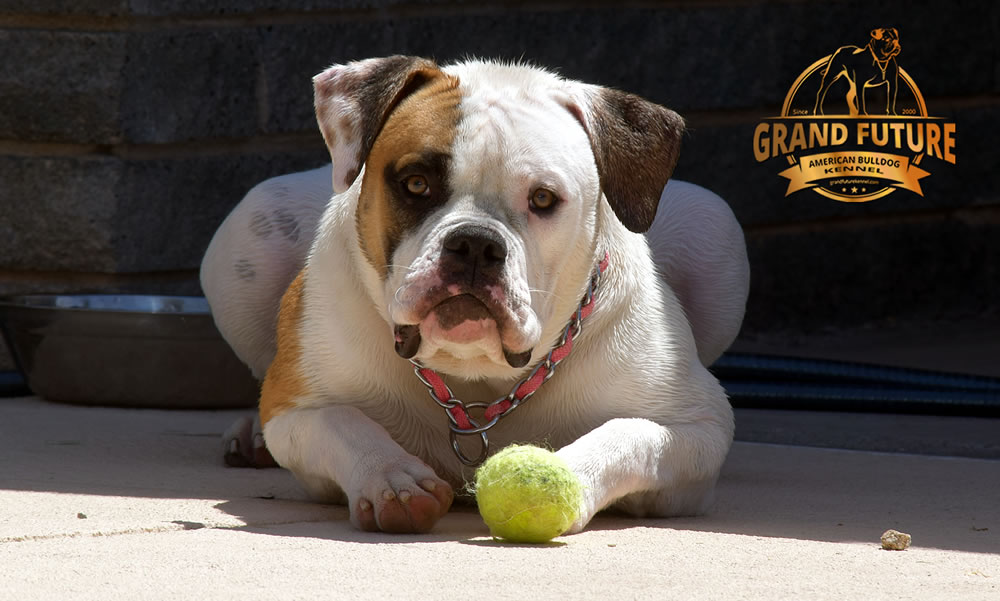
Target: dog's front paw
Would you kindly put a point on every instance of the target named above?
(405, 496)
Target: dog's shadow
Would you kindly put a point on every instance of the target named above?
(300, 518)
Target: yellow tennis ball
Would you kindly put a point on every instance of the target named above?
(527, 494)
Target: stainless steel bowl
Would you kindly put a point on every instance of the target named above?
(125, 350)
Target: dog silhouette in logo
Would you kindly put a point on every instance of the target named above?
(866, 67)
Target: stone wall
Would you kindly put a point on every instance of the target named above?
(129, 128)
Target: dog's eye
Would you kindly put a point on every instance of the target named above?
(417, 185)
(542, 199)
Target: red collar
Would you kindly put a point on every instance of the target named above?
(462, 424)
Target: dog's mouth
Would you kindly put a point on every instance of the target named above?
(462, 319)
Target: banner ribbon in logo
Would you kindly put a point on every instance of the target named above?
(812, 170)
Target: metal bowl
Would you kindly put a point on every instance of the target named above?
(125, 350)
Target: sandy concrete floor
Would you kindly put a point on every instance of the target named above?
(135, 504)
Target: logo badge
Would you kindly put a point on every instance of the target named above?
(854, 126)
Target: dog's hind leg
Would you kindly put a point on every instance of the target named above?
(698, 248)
(254, 256)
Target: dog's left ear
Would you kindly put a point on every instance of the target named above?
(635, 143)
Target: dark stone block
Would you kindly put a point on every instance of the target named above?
(186, 85)
(96, 8)
(183, 283)
(192, 8)
(222, 8)
(140, 88)
(292, 55)
(56, 213)
(168, 210)
(994, 20)
(60, 86)
(937, 270)
(115, 216)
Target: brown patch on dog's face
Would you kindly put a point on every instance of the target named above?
(406, 174)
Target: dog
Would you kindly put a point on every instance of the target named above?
(866, 67)
(470, 212)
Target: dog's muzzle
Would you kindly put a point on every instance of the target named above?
(471, 267)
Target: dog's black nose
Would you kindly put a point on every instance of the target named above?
(476, 247)
(476, 242)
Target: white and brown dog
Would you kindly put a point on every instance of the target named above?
(471, 206)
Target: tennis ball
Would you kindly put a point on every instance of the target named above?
(527, 494)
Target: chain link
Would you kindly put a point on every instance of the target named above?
(463, 424)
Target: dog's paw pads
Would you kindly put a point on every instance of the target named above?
(401, 499)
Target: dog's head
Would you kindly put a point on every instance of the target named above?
(885, 43)
(480, 197)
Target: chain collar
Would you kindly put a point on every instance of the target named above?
(462, 424)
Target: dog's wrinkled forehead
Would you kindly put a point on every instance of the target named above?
(467, 133)
(514, 135)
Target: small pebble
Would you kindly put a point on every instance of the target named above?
(893, 540)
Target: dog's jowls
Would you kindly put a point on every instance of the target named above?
(459, 225)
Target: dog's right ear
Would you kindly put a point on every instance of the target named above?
(353, 102)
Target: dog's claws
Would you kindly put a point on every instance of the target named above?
(233, 456)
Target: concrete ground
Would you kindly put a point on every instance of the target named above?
(136, 504)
